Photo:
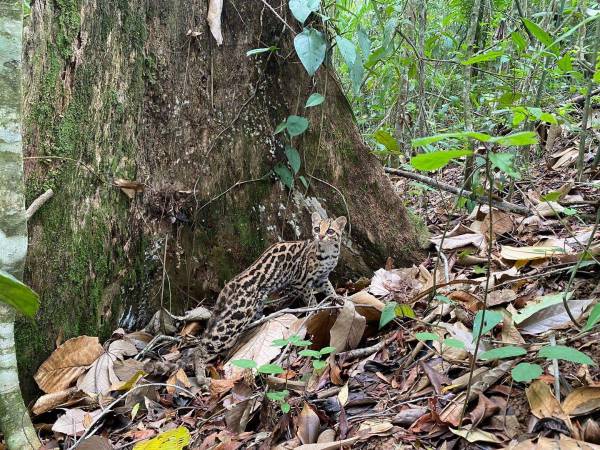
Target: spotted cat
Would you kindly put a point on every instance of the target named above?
(297, 269)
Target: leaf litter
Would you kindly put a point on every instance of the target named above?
(410, 358)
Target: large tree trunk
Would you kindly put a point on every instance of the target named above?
(139, 90)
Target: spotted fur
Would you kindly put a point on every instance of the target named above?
(296, 269)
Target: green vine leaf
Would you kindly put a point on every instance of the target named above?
(314, 100)
(301, 9)
(296, 125)
(310, 46)
(284, 174)
(454, 343)
(293, 158)
(425, 336)
(487, 56)
(387, 140)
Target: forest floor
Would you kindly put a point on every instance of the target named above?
(392, 366)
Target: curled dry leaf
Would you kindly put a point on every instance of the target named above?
(367, 305)
(61, 398)
(215, 7)
(582, 401)
(502, 223)
(308, 425)
(348, 329)
(129, 188)
(543, 404)
(67, 363)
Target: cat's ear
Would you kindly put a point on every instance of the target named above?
(340, 223)
(316, 219)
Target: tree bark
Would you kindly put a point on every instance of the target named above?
(14, 418)
(140, 91)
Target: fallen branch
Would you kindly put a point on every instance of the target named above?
(38, 202)
(505, 206)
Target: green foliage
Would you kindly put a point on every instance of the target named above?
(301, 9)
(314, 100)
(593, 318)
(393, 310)
(310, 46)
(258, 51)
(490, 320)
(526, 372)
(18, 295)
(436, 160)
(454, 343)
(566, 354)
(244, 363)
(387, 140)
(425, 336)
(270, 369)
(508, 351)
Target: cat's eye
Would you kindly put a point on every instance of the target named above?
(317, 229)
(330, 231)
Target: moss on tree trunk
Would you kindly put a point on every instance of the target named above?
(121, 89)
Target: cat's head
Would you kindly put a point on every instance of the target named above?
(327, 230)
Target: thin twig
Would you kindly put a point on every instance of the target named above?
(505, 206)
(38, 202)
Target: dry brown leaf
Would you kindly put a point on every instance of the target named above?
(213, 17)
(348, 329)
(476, 435)
(73, 422)
(67, 363)
(326, 436)
(501, 297)
(335, 445)
(129, 188)
(582, 401)
(260, 346)
(452, 242)
(51, 401)
(367, 305)
(97, 380)
(239, 406)
(179, 378)
(469, 301)
(308, 425)
(543, 403)
(553, 317)
(564, 443)
(95, 443)
(502, 223)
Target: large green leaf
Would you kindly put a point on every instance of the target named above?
(301, 9)
(356, 74)
(364, 42)
(387, 140)
(517, 139)
(504, 162)
(284, 174)
(18, 295)
(420, 142)
(296, 125)
(314, 100)
(526, 372)
(487, 56)
(594, 318)
(508, 351)
(270, 369)
(541, 35)
(436, 160)
(293, 158)
(310, 46)
(491, 319)
(566, 354)
(244, 363)
(426, 336)
(347, 49)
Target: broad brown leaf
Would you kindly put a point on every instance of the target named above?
(67, 362)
